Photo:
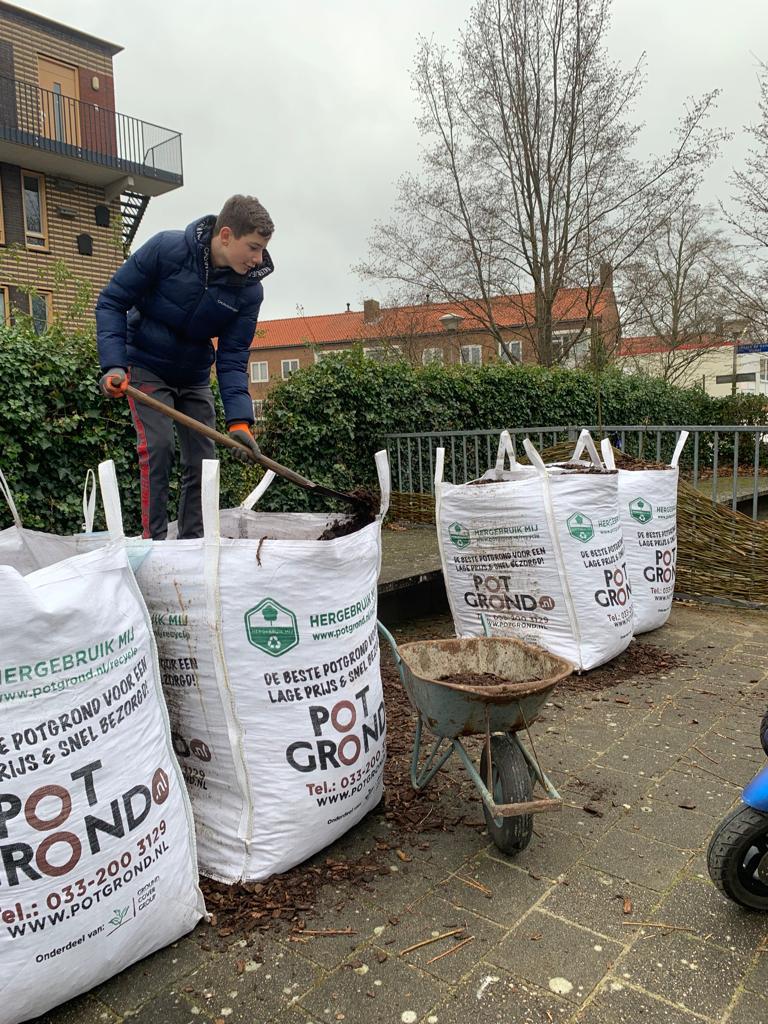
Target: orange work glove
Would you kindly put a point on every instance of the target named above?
(114, 382)
(242, 432)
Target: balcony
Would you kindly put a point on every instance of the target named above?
(59, 136)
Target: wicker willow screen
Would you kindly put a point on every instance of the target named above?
(722, 554)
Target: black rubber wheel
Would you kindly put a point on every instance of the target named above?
(511, 784)
(764, 732)
(737, 858)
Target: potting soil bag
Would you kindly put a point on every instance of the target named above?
(648, 510)
(270, 660)
(537, 552)
(97, 857)
(27, 550)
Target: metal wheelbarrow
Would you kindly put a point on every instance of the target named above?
(450, 710)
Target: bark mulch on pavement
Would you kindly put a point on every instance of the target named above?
(413, 818)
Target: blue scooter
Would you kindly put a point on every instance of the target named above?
(737, 857)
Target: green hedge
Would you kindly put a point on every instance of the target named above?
(328, 419)
(325, 421)
(55, 425)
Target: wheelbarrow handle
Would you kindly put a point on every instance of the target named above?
(230, 442)
(392, 642)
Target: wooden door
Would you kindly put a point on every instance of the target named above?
(59, 107)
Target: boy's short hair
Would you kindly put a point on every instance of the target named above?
(244, 215)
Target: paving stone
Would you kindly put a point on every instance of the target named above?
(556, 955)
(619, 1003)
(699, 976)
(436, 917)
(639, 759)
(131, 989)
(402, 888)
(395, 988)
(449, 850)
(512, 890)
(718, 745)
(172, 1008)
(707, 794)
(757, 978)
(751, 1008)
(697, 904)
(580, 824)
(638, 859)
(550, 853)
(683, 829)
(244, 989)
(596, 901)
(492, 995)
(366, 921)
(80, 1010)
(615, 787)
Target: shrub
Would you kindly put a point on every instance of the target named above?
(55, 425)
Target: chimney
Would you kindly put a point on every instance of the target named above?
(347, 307)
(606, 275)
(371, 311)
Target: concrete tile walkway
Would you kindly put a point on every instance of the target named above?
(570, 931)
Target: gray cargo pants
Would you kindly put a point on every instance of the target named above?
(156, 446)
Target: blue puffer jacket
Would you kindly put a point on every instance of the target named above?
(164, 305)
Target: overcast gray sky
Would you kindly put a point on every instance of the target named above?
(307, 104)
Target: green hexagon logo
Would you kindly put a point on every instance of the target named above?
(641, 510)
(459, 535)
(580, 527)
(271, 627)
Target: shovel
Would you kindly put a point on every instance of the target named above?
(229, 442)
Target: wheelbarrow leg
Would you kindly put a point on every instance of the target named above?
(420, 777)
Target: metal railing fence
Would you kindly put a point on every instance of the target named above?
(729, 462)
(51, 121)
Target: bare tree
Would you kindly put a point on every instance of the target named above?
(676, 290)
(529, 180)
(750, 218)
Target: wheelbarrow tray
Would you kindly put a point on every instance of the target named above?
(454, 709)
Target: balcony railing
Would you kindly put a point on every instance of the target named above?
(57, 124)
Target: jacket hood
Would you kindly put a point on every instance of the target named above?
(198, 235)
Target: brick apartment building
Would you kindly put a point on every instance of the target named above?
(75, 175)
(435, 332)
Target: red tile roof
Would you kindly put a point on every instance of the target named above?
(571, 304)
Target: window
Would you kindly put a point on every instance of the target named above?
(472, 355)
(259, 372)
(289, 366)
(5, 305)
(383, 353)
(35, 219)
(763, 370)
(320, 356)
(258, 409)
(432, 355)
(2, 221)
(515, 351)
(41, 310)
(568, 350)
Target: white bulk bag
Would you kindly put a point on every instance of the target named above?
(97, 857)
(648, 509)
(270, 661)
(27, 550)
(538, 553)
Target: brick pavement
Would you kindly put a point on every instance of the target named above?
(550, 938)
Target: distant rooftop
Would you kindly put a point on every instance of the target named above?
(510, 311)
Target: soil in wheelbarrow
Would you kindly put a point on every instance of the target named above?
(479, 679)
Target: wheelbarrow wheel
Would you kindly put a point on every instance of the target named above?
(511, 785)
